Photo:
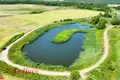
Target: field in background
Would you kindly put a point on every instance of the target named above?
(11, 25)
(18, 9)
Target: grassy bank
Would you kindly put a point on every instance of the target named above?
(110, 68)
(6, 69)
(92, 46)
(65, 35)
(14, 38)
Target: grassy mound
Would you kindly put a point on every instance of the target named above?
(65, 35)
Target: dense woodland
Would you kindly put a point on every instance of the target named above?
(82, 5)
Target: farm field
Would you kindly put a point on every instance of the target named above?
(11, 25)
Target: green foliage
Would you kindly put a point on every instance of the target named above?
(101, 23)
(65, 35)
(109, 69)
(117, 8)
(95, 20)
(81, 5)
(36, 12)
(107, 14)
(75, 75)
(116, 20)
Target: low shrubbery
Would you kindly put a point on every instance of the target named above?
(75, 75)
(98, 22)
(36, 12)
(116, 20)
(65, 35)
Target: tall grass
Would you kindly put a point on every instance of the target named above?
(65, 35)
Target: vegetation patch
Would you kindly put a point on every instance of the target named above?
(110, 68)
(65, 35)
(92, 50)
(11, 41)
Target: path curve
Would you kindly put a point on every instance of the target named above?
(106, 51)
(4, 57)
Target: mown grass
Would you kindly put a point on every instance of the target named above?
(65, 35)
(110, 68)
(92, 50)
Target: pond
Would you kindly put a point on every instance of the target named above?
(44, 51)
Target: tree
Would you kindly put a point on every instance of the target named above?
(107, 14)
(95, 20)
(75, 75)
(101, 23)
(116, 20)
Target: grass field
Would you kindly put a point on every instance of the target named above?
(11, 25)
(21, 9)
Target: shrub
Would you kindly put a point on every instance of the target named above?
(107, 14)
(95, 20)
(116, 20)
(75, 75)
(101, 23)
(36, 12)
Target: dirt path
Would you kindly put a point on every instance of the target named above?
(4, 57)
(106, 50)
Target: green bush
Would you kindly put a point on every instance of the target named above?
(116, 20)
(101, 23)
(75, 75)
(95, 20)
(36, 12)
(107, 14)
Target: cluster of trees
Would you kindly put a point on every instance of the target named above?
(98, 22)
(117, 8)
(82, 5)
(116, 20)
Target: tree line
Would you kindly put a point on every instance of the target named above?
(81, 5)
